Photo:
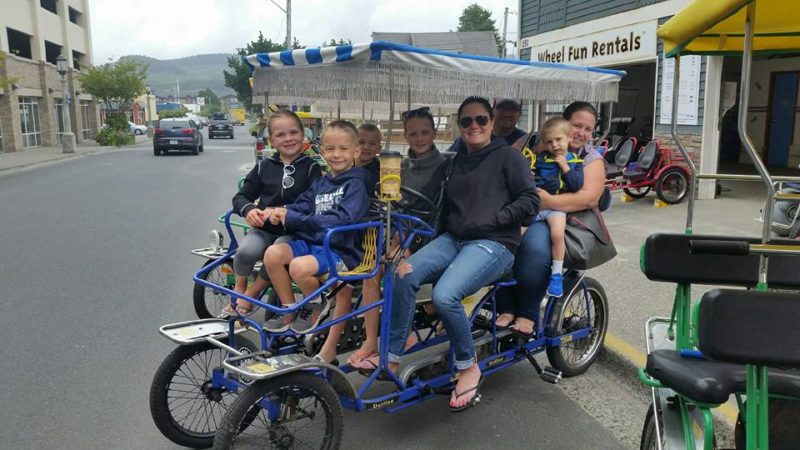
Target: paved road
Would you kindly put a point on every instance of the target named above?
(96, 257)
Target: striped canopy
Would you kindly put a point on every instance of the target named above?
(376, 71)
(717, 27)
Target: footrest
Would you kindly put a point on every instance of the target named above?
(193, 331)
(551, 375)
(262, 365)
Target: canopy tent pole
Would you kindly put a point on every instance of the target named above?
(391, 109)
(676, 79)
(338, 109)
(438, 120)
(608, 123)
(744, 100)
(363, 111)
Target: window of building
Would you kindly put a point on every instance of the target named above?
(29, 120)
(50, 5)
(77, 59)
(58, 109)
(51, 52)
(19, 43)
(86, 132)
(75, 16)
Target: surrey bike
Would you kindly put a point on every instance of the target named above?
(731, 342)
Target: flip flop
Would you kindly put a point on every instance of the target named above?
(506, 326)
(316, 357)
(475, 399)
(355, 363)
(367, 372)
(521, 333)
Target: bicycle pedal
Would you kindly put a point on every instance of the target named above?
(551, 375)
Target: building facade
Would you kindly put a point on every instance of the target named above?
(33, 33)
(621, 34)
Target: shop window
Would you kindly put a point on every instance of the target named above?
(50, 5)
(19, 43)
(86, 132)
(75, 16)
(29, 121)
(77, 59)
(51, 52)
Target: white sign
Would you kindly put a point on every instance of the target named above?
(201, 101)
(687, 95)
(617, 45)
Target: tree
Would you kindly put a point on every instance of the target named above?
(117, 85)
(170, 113)
(333, 42)
(476, 18)
(5, 83)
(238, 78)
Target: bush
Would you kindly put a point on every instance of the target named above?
(109, 136)
(118, 122)
(172, 113)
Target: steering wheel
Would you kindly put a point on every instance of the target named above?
(414, 203)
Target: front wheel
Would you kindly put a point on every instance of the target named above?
(184, 405)
(672, 186)
(586, 307)
(293, 410)
(649, 439)
(637, 192)
(209, 303)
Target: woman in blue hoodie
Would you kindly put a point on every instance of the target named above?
(490, 192)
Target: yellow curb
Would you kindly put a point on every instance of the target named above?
(729, 411)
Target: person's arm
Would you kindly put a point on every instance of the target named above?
(250, 191)
(524, 199)
(573, 178)
(353, 208)
(594, 176)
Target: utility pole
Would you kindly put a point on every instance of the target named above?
(505, 27)
(288, 12)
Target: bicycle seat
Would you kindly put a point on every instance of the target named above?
(709, 381)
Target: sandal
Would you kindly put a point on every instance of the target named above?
(368, 371)
(475, 398)
(508, 321)
(525, 333)
(354, 362)
(318, 358)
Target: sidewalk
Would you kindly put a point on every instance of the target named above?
(43, 155)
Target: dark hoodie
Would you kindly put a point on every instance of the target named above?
(265, 183)
(332, 201)
(424, 174)
(490, 193)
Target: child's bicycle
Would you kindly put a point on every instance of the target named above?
(732, 342)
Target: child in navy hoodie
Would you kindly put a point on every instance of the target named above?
(337, 198)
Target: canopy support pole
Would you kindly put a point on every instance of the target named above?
(391, 109)
(744, 100)
(608, 123)
(676, 80)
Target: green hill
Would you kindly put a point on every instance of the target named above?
(194, 73)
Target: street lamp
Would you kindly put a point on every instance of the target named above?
(67, 139)
(149, 112)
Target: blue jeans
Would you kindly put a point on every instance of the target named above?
(532, 272)
(459, 268)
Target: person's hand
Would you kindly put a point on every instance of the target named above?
(255, 218)
(544, 196)
(278, 216)
(561, 160)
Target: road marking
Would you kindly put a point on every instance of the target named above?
(729, 411)
(228, 151)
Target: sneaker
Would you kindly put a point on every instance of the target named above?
(279, 324)
(309, 316)
(556, 286)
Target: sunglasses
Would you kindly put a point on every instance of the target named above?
(287, 181)
(465, 122)
(419, 112)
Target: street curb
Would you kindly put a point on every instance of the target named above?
(65, 156)
(624, 359)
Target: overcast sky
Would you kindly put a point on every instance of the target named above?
(167, 29)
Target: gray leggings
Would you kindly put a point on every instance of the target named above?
(251, 250)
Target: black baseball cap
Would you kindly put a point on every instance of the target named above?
(508, 101)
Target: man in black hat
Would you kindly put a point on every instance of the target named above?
(506, 115)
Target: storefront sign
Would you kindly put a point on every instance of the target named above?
(618, 45)
(689, 93)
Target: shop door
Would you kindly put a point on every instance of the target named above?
(782, 110)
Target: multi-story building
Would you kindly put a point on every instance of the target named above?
(621, 34)
(33, 33)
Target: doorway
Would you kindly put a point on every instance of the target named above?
(780, 117)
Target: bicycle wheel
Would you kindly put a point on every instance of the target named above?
(305, 413)
(649, 439)
(638, 192)
(672, 186)
(209, 303)
(183, 404)
(579, 311)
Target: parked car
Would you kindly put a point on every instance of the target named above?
(177, 134)
(137, 129)
(220, 126)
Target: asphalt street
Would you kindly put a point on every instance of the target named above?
(96, 256)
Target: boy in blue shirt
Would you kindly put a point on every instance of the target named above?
(557, 170)
(338, 198)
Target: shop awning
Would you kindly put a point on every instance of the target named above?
(717, 27)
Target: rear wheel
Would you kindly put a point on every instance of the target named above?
(291, 411)
(649, 439)
(672, 186)
(209, 303)
(196, 149)
(637, 192)
(584, 308)
(156, 151)
(184, 405)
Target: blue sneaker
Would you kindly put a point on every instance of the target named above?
(556, 286)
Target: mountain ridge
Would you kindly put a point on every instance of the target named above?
(194, 73)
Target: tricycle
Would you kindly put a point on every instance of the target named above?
(231, 382)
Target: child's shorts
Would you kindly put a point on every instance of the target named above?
(545, 213)
(303, 248)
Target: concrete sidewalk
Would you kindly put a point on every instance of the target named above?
(36, 156)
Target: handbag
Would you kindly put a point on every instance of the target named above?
(587, 240)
